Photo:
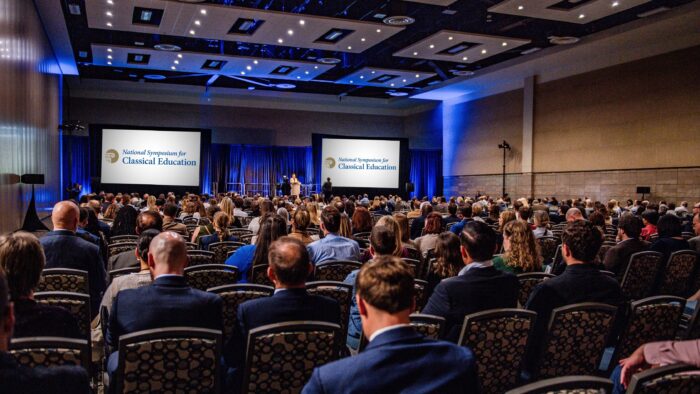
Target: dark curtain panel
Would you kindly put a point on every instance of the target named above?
(426, 172)
(76, 162)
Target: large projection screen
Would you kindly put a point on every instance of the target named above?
(361, 163)
(150, 157)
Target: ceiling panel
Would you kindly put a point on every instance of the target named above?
(210, 21)
(458, 47)
(388, 78)
(443, 3)
(581, 11)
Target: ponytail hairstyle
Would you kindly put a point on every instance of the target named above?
(221, 223)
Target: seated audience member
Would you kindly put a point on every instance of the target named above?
(221, 232)
(125, 221)
(541, 222)
(146, 220)
(361, 221)
(479, 285)
(332, 246)
(617, 258)
(505, 218)
(448, 261)
(244, 258)
(418, 223)
(64, 249)
(433, 227)
(494, 214)
(16, 379)
(207, 227)
(238, 208)
(381, 210)
(265, 207)
(169, 223)
(110, 213)
(397, 359)
(581, 281)
(289, 266)
(655, 354)
(465, 211)
(524, 213)
(649, 218)
(574, 214)
(300, 222)
(167, 302)
(452, 217)
(314, 220)
(695, 241)
(82, 231)
(670, 237)
(22, 260)
(522, 252)
(189, 209)
(406, 240)
(598, 220)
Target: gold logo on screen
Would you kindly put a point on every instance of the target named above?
(329, 162)
(111, 156)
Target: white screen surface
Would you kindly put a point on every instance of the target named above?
(150, 157)
(361, 163)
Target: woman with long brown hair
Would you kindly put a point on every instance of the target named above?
(272, 227)
(522, 252)
(361, 221)
(221, 232)
(431, 230)
(448, 260)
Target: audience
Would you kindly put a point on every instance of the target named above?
(332, 246)
(418, 223)
(146, 220)
(541, 224)
(406, 240)
(649, 218)
(273, 227)
(617, 258)
(125, 221)
(574, 214)
(465, 212)
(300, 222)
(670, 237)
(397, 358)
(169, 223)
(265, 208)
(361, 221)
(433, 227)
(221, 232)
(448, 261)
(64, 249)
(522, 252)
(22, 260)
(694, 242)
(479, 285)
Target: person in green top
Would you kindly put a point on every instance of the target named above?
(522, 253)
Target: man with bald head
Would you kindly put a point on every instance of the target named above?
(167, 302)
(64, 249)
(574, 214)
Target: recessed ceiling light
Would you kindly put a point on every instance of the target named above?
(352, 81)
(505, 44)
(279, 40)
(417, 75)
(392, 84)
(374, 72)
(176, 61)
(520, 7)
(397, 94)
(400, 20)
(198, 23)
(379, 30)
(298, 77)
(242, 72)
(173, 68)
(110, 2)
(349, 48)
(167, 47)
(465, 58)
(432, 46)
(362, 77)
(302, 22)
(109, 56)
(362, 39)
(290, 32)
(110, 63)
(450, 38)
(306, 72)
(483, 51)
(109, 24)
(581, 16)
(415, 53)
(108, 49)
(179, 56)
(315, 67)
(255, 62)
(328, 60)
(203, 11)
(404, 81)
(192, 32)
(248, 68)
(108, 13)
(615, 3)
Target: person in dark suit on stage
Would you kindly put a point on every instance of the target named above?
(16, 379)
(74, 191)
(289, 266)
(168, 302)
(478, 286)
(147, 220)
(286, 187)
(397, 358)
(618, 257)
(64, 249)
(327, 189)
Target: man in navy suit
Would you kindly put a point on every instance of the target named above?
(397, 359)
(289, 267)
(479, 285)
(64, 249)
(167, 302)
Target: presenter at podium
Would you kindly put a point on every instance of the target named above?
(296, 185)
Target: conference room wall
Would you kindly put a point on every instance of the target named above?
(29, 105)
(599, 134)
(232, 125)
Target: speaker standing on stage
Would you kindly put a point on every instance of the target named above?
(296, 185)
(286, 187)
(327, 190)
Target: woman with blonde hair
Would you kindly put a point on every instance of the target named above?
(313, 214)
(300, 222)
(522, 253)
(150, 204)
(505, 218)
(402, 220)
(221, 232)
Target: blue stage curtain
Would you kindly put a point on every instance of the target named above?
(426, 172)
(76, 162)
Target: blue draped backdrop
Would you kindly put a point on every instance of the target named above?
(255, 164)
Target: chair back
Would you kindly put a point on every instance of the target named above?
(335, 271)
(77, 304)
(50, 352)
(245, 238)
(362, 236)
(191, 245)
(122, 238)
(667, 379)
(116, 248)
(528, 282)
(339, 291)
(558, 260)
(221, 250)
(258, 275)
(190, 220)
(414, 254)
(281, 357)
(122, 271)
(693, 326)
(567, 385)
(640, 276)
(678, 273)
(431, 326)
(650, 320)
(199, 257)
(235, 295)
(499, 340)
(419, 287)
(600, 257)
(687, 235)
(64, 279)
(548, 248)
(575, 339)
(204, 277)
(172, 359)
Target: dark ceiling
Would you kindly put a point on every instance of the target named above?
(471, 16)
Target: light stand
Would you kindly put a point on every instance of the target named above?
(506, 147)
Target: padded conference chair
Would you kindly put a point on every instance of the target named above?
(64, 279)
(50, 352)
(199, 257)
(567, 385)
(548, 248)
(528, 282)
(122, 271)
(77, 304)
(668, 379)
(678, 273)
(421, 297)
(641, 274)
(123, 238)
(431, 326)
(204, 277)
(235, 295)
(335, 270)
(339, 291)
(116, 248)
(221, 250)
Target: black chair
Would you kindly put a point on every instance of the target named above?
(600, 257)
(641, 275)
(258, 275)
(558, 265)
(362, 236)
(567, 385)
(235, 295)
(692, 330)
(122, 238)
(528, 282)
(651, 319)
(246, 238)
(191, 245)
(431, 326)
(575, 339)
(281, 357)
(116, 248)
(77, 304)
(189, 220)
(667, 379)
(499, 339)
(548, 248)
(335, 270)
(678, 273)
(64, 279)
(200, 257)
(414, 254)
(49, 352)
(204, 277)
(221, 250)
(122, 271)
(339, 291)
(173, 359)
(419, 287)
